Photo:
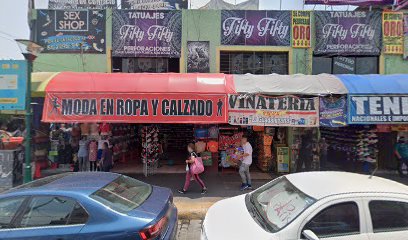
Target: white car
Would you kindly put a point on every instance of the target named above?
(313, 205)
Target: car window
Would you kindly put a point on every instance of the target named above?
(389, 215)
(123, 194)
(52, 211)
(8, 208)
(278, 203)
(336, 220)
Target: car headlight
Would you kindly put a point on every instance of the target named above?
(203, 233)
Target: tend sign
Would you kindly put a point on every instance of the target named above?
(378, 109)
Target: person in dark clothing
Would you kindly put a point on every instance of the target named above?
(106, 162)
(305, 153)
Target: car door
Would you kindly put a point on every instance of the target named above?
(341, 219)
(9, 207)
(387, 218)
(51, 218)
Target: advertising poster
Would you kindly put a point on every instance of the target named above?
(154, 4)
(379, 109)
(81, 4)
(393, 32)
(259, 110)
(198, 60)
(405, 36)
(301, 29)
(333, 111)
(348, 33)
(351, 2)
(13, 84)
(146, 33)
(71, 31)
(283, 159)
(263, 28)
(135, 108)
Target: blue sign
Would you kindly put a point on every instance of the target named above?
(333, 111)
(378, 109)
(13, 84)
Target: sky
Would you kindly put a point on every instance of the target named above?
(13, 19)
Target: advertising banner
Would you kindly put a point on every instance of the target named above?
(393, 35)
(135, 108)
(333, 111)
(259, 110)
(71, 31)
(379, 109)
(348, 33)
(81, 4)
(198, 59)
(13, 84)
(301, 29)
(146, 33)
(263, 28)
(351, 2)
(154, 4)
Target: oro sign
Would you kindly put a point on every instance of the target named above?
(393, 32)
(301, 29)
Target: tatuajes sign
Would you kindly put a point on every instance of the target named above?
(81, 4)
(71, 30)
(301, 29)
(154, 4)
(354, 33)
(146, 33)
(271, 28)
(258, 110)
(135, 108)
(393, 32)
(378, 109)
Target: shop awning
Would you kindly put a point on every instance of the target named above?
(137, 98)
(375, 84)
(298, 84)
(39, 81)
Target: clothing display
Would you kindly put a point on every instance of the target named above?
(85, 128)
(94, 129)
(200, 146)
(93, 149)
(150, 149)
(105, 129)
(213, 132)
(212, 146)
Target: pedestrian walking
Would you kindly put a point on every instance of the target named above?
(106, 162)
(401, 151)
(189, 175)
(83, 161)
(305, 152)
(246, 161)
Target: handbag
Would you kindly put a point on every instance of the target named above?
(197, 167)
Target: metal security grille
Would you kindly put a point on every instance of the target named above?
(254, 62)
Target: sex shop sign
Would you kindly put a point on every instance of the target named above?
(135, 108)
(285, 111)
(378, 109)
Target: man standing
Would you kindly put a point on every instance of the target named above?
(305, 152)
(246, 159)
(401, 151)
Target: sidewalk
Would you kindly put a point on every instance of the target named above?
(193, 205)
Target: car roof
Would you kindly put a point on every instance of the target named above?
(80, 182)
(327, 183)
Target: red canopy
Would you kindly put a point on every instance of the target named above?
(137, 98)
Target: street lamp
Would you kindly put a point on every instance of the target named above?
(30, 51)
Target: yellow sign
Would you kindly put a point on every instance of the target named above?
(8, 100)
(393, 33)
(301, 29)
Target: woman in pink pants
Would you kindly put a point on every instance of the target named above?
(189, 175)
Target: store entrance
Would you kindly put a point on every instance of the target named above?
(174, 139)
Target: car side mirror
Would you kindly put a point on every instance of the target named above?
(309, 235)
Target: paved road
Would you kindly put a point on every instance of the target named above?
(189, 230)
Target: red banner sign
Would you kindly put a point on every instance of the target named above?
(135, 108)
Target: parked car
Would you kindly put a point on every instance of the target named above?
(88, 205)
(313, 205)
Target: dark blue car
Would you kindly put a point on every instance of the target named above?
(87, 206)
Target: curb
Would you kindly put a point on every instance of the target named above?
(192, 209)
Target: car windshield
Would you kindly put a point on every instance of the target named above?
(123, 194)
(278, 203)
